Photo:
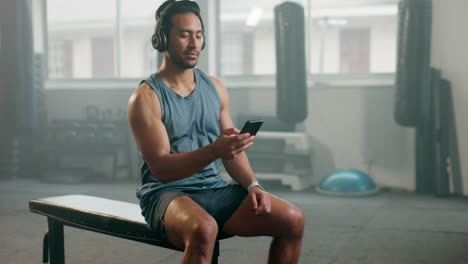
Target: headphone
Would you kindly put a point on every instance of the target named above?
(160, 38)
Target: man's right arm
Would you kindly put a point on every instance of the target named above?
(144, 116)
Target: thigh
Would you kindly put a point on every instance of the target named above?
(180, 217)
(222, 203)
(283, 217)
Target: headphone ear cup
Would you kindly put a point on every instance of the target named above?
(159, 41)
(154, 42)
(203, 42)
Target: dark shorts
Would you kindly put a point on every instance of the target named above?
(220, 203)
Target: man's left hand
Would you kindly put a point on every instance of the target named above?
(260, 199)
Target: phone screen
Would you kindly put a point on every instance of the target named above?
(252, 127)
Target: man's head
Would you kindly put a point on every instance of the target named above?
(164, 21)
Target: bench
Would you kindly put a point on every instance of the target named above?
(110, 217)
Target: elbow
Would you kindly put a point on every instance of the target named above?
(156, 171)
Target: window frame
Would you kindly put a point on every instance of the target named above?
(317, 80)
(234, 81)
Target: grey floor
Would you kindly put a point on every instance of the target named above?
(391, 227)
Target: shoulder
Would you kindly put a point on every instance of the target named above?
(219, 86)
(142, 94)
(216, 82)
(211, 79)
(143, 104)
(222, 91)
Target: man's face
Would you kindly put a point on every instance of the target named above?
(185, 40)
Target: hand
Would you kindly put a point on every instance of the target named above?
(261, 203)
(230, 143)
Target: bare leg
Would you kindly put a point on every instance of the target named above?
(190, 227)
(285, 224)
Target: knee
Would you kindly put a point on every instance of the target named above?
(295, 222)
(203, 233)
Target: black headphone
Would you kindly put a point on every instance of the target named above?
(160, 38)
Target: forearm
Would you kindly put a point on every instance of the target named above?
(239, 169)
(173, 167)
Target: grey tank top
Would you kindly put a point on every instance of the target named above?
(191, 122)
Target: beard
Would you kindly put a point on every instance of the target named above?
(181, 62)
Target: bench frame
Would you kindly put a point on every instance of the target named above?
(53, 244)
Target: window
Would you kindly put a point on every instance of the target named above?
(60, 59)
(247, 37)
(102, 56)
(341, 36)
(150, 58)
(87, 26)
(137, 56)
(237, 55)
(100, 39)
(359, 37)
(111, 38)
(354, 50)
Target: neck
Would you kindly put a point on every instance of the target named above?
(180, 80)
(174, 73)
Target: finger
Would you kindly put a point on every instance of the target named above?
(253, 198)
(262, 204)
(239, 150)
(268, 206)
(265, 203)
(244, 136)
(231, 131)
(247, 140)
(237, 141)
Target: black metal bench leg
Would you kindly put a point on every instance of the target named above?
(56, 245)
(214, 259)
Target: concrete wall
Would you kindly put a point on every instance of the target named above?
(349, 127)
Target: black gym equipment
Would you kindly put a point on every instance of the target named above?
(18, 97)
(413, 61)
(291, 85)
(282, 152)
(423, 100)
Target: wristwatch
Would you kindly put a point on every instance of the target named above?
(254, 184)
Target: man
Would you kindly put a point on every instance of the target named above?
(182, 126)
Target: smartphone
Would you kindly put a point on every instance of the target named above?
(252, 126)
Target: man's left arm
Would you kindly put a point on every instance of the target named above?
(239, 167)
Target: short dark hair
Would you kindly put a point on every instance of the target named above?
(164, 22)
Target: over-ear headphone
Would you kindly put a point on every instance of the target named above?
(160, 38)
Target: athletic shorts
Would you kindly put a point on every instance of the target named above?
(220, 203)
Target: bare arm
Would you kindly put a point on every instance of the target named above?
(144, 115)
(238, 168)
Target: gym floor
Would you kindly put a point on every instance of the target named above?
(390, 227)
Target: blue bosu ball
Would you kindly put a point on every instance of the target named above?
(347, 182)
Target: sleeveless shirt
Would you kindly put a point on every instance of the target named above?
(191, 122)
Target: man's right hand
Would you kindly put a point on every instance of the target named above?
(231, 143)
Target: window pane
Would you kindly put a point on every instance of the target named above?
(355, 36)
(343, 36)
(81, 36)
(102, 54)
(237, 57)
(354, 50)
(60, 59)
(138, 58)
(247, 37)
